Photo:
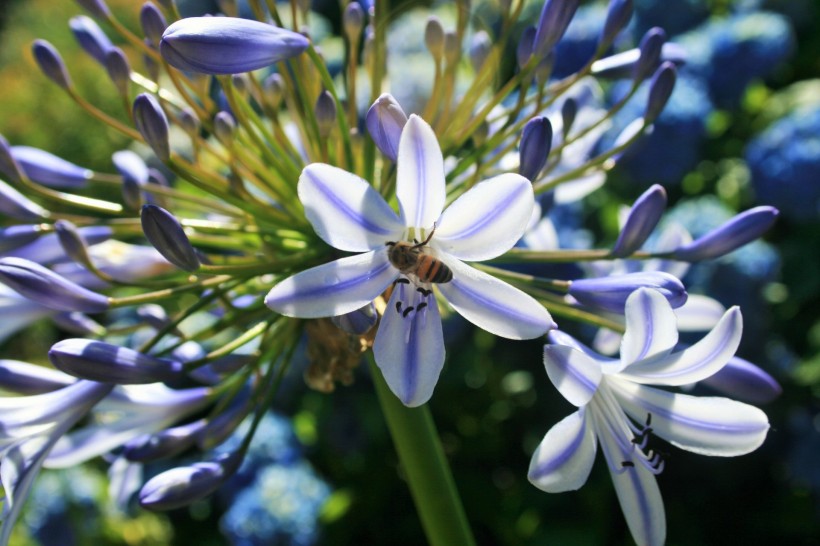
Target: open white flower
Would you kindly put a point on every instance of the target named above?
(619, 411)
(350, 215)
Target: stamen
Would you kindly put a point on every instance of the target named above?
(626, 464)
(407, 311)
(421, 306)
(402, 280)
(398, 306)
(424, 291)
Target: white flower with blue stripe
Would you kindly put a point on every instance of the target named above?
(618, 410)
(350, 215)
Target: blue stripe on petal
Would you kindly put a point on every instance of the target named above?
(574, 374)
(564, 457)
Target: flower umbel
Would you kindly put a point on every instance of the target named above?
(349, 214)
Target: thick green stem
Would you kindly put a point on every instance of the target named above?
(428, 473)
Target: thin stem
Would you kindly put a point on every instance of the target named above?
(428, 473)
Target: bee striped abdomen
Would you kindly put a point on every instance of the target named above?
(433, 270)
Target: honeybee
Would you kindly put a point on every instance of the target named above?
(411, 259)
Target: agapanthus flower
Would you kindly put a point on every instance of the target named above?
(350, 215)
(620, 411)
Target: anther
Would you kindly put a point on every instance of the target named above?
(398, 306)
(421, 306)
(407, 311)
(402, 280)
(424, 291)
(628, 464)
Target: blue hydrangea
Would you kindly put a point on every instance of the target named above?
(674, 17)
(674, 147)
(280, 508)
(729, 53)
(785, 164)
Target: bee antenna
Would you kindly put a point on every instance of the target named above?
(427, 240)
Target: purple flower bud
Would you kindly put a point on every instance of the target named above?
(50, 62)
(536, 140)
(353, 21)
(47, 288)
(24, 378)
(569, 111)
(224, 128)
(623, 65)
(480, 47)
(119, 70)
(227, 45)
(663, 83)
(745, 381)
(651, 49)
(8, 165)
(610, 293)
(153, 23)
(434, 37)
(48, 169)
(47, 248)
(385, 121)
(165, 233)
(18, 206)
(134, 173)
(189, 122)
(274, 88)
(90, 37)
(555, 18)
(645, 214)
(183, 485)
(220, 427)
(107, 363)
(78, 324)
(740, 230)
(325, 110)
(14, 237)
(72, 242)
(240, 84)
(163, 445)
(524, 50)
(152, 124)
(617, 17)
(151, 67)
(97, 8)
(357, 322)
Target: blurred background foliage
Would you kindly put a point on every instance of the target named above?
(743, 125)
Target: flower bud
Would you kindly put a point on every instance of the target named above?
(97, 8)
(134, 173)
(536, 140)
(385, 121)
(165, 233)
(47, 288)
(434, 37)
(224, 128)
(18, 206)
(116, 64)
(745, 381)
(189, 122)
(353, 21)
(357, 322)
(107, 363)
(78, 324)
(72, 242)
(274, 88)
(8, 164)
(24, 378)
(325, 110)
(227, 45)
(555, 18)
(163, 445)
(524, 50)
(51, 64)
(14, 237)
(645, 214)
(152, 124)
(90, 37)
(48, 169)
(452, 47)
(740, 230)
(47, 248)
(480, 47)
(610, 293)
(151, 67)
(220, 427)
(617, 17)
(153, 23)
(569, 111)
(651, 48)
(183, 485)
(663, 83)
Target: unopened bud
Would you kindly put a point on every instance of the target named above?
(385, 121)
(152, 124)
(645, 214)
(90, 37)
(166, 234)
(536, 141)
(325, 111)
(434, 37)
(47, 288)
(107, 363)
(51, 64)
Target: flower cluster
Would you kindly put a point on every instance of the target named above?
(278, 202)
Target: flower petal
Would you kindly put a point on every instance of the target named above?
(346, 212)
(651, 328)
(488, 220)
(334, 288)
(705, 425)
(564, 457)
(409, 345)
(699, 313)
(701, 360)
(494, 305)
(574, 374)
(419, 175)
